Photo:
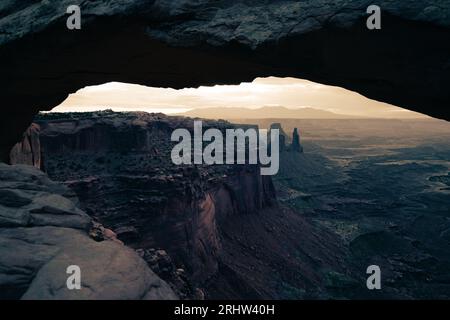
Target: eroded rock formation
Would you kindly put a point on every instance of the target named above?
(296, 146)
(120, 167)
(28, 150)
(286, 143)
(202, 228)
(283, 140)
(190, 43)
(42, 233)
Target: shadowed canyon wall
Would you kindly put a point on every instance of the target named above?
(190, 43)
(209, 231)
(120, 168)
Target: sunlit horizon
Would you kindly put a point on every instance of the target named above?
(290, 93)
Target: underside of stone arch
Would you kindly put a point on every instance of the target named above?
(191, 43)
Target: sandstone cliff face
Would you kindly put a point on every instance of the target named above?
(28, 151)
(210, 231)
(287, 143)
(120, 168)
(42, 233)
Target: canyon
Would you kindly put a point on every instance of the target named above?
(227, 232)
(209, 231)
(234, 146)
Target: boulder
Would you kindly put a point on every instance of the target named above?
(42, 233)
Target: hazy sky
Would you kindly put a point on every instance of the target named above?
(287, 92)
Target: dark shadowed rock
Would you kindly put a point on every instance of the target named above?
(28, 151)
(109, 160)
(296, 146)
(12, 198)
(161, 263)
(219, 230)
(190, 43)
(283, 137)
(42, 233)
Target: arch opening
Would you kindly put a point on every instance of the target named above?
(347, 164)
(40, 69)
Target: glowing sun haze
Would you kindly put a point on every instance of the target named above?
(262, 92)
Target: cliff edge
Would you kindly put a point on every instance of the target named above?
(43, 232)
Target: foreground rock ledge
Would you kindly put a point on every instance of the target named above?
(42, 232)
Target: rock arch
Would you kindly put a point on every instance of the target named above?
(190, 43)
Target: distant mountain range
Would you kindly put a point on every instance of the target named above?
(264, 113)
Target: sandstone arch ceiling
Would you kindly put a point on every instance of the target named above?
(203, 42)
